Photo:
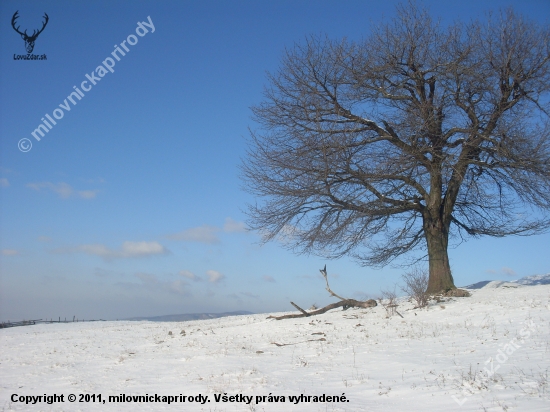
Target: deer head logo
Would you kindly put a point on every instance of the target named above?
(29, 40)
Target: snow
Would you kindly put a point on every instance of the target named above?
(487, 352)
(501, 284)
(525, 281)
(535, 280)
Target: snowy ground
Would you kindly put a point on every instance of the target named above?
(489, 352)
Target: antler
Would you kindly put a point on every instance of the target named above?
(43, 27)
(35, 33)
(15, 16)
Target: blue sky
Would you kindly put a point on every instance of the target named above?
(131, 205)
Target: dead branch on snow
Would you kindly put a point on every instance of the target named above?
(344, 303)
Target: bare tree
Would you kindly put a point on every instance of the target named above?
(418, 134)
(415, 284)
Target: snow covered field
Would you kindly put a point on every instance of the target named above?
(488, 352)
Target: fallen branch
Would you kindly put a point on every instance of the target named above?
(391, 309)
(324, 273)
(346, 304)
(299, 308)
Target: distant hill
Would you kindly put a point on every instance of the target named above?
(190, 316)
(477, 285)
(534, 280)
(525, 281)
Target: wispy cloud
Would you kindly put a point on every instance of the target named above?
(128, 250)
(286, 235)
(502, 271)
(63, 190)
(88, 194)
(268, 278)
(44, 239)
(9, 252)
(4, 182)
(202, 234)
(214, 276)
(508, 271)
(178, 286)
(132, 249)
(207, 233)
(189, 275)
(232, 226)
(152, 282)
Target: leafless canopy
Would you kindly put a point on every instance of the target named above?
(417, 133)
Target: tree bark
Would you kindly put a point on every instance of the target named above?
(440, 279)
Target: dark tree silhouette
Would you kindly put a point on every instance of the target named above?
(414, 135)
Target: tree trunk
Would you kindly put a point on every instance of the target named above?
(440, 279)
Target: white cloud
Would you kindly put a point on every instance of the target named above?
(203, 234)
(4, 182)
(232, 226)
(268, 278)
(286, 235)
(189, 275)
(136, 249)
(508, 271)
(9, 252)
(209, 234)
(97, 249)
(44, 239)
(503, 271)
(151, 282)
(63, 190)
(128, 250)
(178, 286)
(214, 276)
(87, 194)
